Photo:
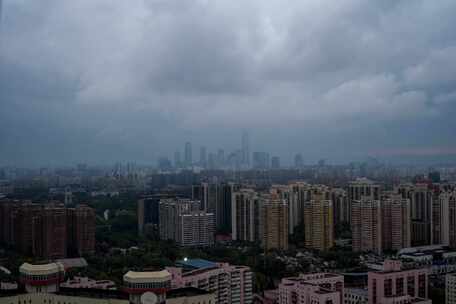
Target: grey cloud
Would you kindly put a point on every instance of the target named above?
(141, 77)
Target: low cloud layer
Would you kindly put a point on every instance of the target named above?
(103, 80)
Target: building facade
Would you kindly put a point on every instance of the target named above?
(274, 222)
(182, 220)
(317, 288)
(245, 218)
(319, 223)
(394, 285)
(229, 283)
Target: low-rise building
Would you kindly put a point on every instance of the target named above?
(137, 283)
(395, 285)
(356, 296)
(85, 282)
(231, 284)
(41, 278)
(317, 288)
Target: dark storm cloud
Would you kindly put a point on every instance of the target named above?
(80, 80)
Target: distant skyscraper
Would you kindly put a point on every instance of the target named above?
(203, 157)
(275, 162)
(188, 154)
(220, 158)
(177, 159)
(211, 161)
(261, 160)
(448, 218)
(298, 161)
(245, 150)
(68, 196)
(164, 164)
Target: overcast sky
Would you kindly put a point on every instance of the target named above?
(100, 81)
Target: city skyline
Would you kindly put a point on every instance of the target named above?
(102, 81)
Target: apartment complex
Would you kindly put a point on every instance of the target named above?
(362, 189)
(47, 231)
(245, 220)
(182, 220)
(319, 223)
(274, 222)
(379, 225)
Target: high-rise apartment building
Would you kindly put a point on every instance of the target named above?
(148, 209)
(366, 222)
(196, 228)
(381, 225)
(286, 193)
(420, 197)
(394, 285)
(362, 189)
(182, 220)
(319, 223)
(47, 231)
(274, 222)
(223, 207)
(207, 194)
(216, 198)
(448, 218)
(396, 223)
(245, 216)
(50, 233)
(300, 193)
(341, 206)
(81, 230)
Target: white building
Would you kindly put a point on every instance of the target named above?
(137, 283)
(41, 278)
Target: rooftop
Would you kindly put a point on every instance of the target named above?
(195, 263)
(147, 275)
(185, 292)
(41, 269)
(73, 263)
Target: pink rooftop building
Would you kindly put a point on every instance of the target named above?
(231, 284)
(394, 285)
(317, 288)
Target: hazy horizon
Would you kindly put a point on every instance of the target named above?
(101, 81)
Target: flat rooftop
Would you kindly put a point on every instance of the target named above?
(186, 292)
(195, 264)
